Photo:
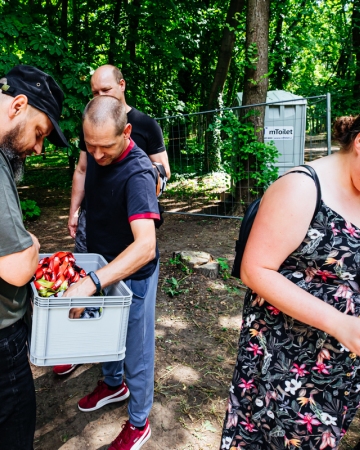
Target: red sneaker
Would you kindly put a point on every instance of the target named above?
(64, 369)
(131, 438)
(102, 395)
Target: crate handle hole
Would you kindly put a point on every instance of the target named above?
(89, 313)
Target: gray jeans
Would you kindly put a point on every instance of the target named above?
(140, 350)
(80, 238)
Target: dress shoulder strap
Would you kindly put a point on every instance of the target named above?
(314, 176)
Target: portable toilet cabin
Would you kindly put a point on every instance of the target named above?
(285, 124)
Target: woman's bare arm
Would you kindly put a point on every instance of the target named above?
(279, 228)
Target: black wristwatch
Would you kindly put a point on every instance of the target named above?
(96, 281)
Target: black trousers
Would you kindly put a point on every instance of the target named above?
(17, 391)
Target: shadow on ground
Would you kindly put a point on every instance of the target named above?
(196, 337)
(196, 341)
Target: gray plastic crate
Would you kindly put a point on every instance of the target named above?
(57, 339)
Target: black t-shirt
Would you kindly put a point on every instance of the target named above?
(146, 133)
(116, 195)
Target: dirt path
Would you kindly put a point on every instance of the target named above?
(196, 335)
(196, 339)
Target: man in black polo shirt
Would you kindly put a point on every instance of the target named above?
(121, 209)
(147, 134)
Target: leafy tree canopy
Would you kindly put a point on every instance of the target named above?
(168, 51)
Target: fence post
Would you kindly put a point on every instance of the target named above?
(328, 122)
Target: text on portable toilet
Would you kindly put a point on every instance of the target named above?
(279, 133)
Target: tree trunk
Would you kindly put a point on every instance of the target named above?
(343, 63)
(130, 66)
(86, 44)
(255, 81)
(113, 32)
(356, 46)
(72, 164)
(279, 69)
(134, 18)
(285, 60)
(75, 28)
(226, 49)
(50, 15)
(257, 39)
(64, 17)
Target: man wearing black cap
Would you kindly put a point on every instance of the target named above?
(30, 108)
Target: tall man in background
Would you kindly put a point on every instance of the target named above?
(146, 133)
(30, 108)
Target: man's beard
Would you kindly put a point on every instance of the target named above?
(11, 147)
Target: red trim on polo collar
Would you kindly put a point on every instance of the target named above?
(144, 216)
(125, 153)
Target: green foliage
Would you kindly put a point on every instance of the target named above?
(190, 186)
(252, 56)
(49, 170)
(30, 209)
(50, 178)
(233, 290)
(176, 52)
(24, 40)
(173, 287)
(73, 150)
(224, 268)
(165, 55)
(312, 50)
(240, 144)
(176, 261)
(49, 159)
(168, 52)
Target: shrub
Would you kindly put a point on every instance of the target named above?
(30, 209)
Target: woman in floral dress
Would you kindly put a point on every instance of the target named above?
(296, 382)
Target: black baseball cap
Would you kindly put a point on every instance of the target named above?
(42, 92)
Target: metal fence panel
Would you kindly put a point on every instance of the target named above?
(203, 160)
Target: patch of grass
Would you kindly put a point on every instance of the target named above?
(49, 170)
(54, 178)
(224, 268)
(164, 389)
(233, 290)
(191, 186)
(51, 158)
(65, 437)
(174, 287)
(185, 408)
(176, 261)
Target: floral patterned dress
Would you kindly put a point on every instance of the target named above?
(295, 386)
